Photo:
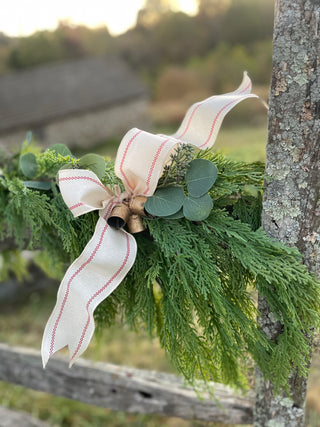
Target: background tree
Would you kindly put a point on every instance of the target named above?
(213, 7)
(291, 201)
(152, 12)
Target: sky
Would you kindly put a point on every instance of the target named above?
(23, 17)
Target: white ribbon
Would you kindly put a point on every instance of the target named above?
(110, 253)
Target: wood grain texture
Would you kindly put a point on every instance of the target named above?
(122, 388)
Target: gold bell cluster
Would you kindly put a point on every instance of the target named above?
(129, 212)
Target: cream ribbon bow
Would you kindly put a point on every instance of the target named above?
(110, 253)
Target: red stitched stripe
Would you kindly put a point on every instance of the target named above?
(110, 208)
(84, 331)
(215, 121)
(246, 88)
(154, 163)
(199, 105)
(70, 281)
(72, 178)
(192, 114)
(123, 159)
(76, 206)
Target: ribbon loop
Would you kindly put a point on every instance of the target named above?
(140, 159)
(82, 191)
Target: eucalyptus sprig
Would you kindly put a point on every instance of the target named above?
(190, 199)
(41, 167)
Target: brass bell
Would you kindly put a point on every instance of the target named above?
(136, 205)
(135, 224)
(119, 216)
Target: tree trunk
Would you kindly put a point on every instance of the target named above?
(291, 211)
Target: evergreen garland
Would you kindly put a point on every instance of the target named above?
(193, 284)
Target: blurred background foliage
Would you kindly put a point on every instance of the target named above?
(204, 52)
(181, 58)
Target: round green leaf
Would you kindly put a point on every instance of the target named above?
(200, 177)
(165, 201)
(61, 149)
(197, 208)
(38, 185)
(176, 215)
(28, 165)
(94, 162)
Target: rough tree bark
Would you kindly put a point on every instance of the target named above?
(291, 203)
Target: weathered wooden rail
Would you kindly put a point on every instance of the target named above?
(122, 388)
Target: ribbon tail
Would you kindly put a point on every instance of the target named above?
(90, 279)
(202, 122)
(142, 155)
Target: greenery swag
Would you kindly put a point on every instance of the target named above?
(198, 269)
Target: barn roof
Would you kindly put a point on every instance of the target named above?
(49, 92)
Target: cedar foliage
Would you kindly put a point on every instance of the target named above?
(193, 284)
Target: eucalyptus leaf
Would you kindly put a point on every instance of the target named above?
(38, 185)
(28, 165)
(176, 215)
(200, 177)
(94, 162)
(165, 201)
(61, 149)
(197, 208)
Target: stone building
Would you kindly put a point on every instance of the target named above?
(78, 103)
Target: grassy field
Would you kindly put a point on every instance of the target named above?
(23, 325)
(241, 143)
